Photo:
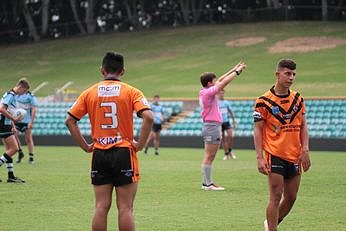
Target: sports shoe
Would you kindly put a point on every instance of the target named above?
(265, 225)
(157, 153)
(15, 180)
(20, 157)
(212, 187)
(146, 150)
(31, 161)
(232, 155)
(225, 157)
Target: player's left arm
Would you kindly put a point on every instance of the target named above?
(304, 139)
(32, 117)
(233, 117)
(72, 126)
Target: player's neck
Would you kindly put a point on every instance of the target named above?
(280, 90)
(111, 77)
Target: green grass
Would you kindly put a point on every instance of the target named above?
(157, 58)
(58, 194)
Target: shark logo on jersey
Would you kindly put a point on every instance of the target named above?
(108, 90)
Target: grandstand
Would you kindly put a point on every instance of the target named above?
(326, 118)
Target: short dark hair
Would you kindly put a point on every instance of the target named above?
(206, 78)
(113, 62)
(286, 63)
(23, 82)
(156, 96)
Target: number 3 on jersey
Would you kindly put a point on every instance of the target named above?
(112, 114)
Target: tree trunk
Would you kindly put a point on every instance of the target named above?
(45, 17)
(276, 4)
(184, 6)
(338, 7)
(196, 12)
(29, 21)
(76, 17)
(131, 10)
(89, 17)
(324, 10)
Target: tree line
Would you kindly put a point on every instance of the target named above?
(33, 20)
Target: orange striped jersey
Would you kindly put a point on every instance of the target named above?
(283, 117)
(110, 105)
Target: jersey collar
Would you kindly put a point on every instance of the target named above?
(280, 96)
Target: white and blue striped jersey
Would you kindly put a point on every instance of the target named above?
(26, 101)
(9, 99)
(157, 110)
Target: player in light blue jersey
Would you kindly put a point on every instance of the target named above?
(7, 121)
(27, 102)
(227, 134)
(159, 118)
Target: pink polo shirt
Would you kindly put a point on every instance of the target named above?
(209, 105)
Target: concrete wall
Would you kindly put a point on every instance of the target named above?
(196, 142)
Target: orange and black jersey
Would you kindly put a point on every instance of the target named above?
(283, 118)
(110, 105)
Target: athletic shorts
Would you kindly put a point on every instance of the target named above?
(225, 126)
(211, 133)
(283, 167)
(21, 127)
(6, 131)
(117, 166)
(157, 127)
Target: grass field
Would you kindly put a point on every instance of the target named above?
(157, 58)
(58, 195)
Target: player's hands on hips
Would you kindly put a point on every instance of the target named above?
(89, 148)
(263, 166)
(134, 145)
(304, 160)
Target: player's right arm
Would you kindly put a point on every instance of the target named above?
(262, 164)
(230, 75)
(4, 112)
(147, 116)
(72, 126)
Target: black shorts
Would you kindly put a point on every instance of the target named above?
(225, 126)
(5, 131)
(157, 127)
(283, 167)
(21, 127)
(117, 166)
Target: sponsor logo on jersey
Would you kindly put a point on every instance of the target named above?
(287, 116)
(257, 115)
(108, 90)
(275, 110)
(284, 101)
(145, 102)
(109, 140)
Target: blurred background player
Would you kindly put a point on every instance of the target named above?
(159, 118)
(211, 116)
(26, 101)
(227, 134)
(7, 121)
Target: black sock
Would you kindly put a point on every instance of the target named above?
(4, 159)
(226, 153)
(10, 167)
(230, 150)
(31, 156)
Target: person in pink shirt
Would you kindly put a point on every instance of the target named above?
(212, 120)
